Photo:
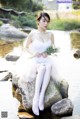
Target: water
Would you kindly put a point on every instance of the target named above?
(69, 70)
(8, 103)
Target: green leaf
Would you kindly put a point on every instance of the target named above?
(51, 49)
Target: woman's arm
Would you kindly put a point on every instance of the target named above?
(52, 39)
(27, 43)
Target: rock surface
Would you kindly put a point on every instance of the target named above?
(53, 93)
(7, 31)
(27, 91)
(77, 54)
(62, 108)
(72, 117)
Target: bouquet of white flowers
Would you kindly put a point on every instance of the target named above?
(51, 49)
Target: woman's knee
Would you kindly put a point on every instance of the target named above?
(48, 66)
(42, 68)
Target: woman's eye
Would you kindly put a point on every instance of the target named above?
(43, 20)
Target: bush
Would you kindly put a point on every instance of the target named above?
(1, 23)
(21, 5)
(28, 20)
(21, 21)
(61, 24)
(37, 7)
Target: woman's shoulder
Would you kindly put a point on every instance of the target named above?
(32, 32)
(51, 34)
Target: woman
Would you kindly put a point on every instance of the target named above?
(37, 42)
(40, 64)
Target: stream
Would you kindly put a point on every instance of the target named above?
(69, 67)
(69, 70)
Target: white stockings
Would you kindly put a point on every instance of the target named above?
(42, 81)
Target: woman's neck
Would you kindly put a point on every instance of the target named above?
(41, 30)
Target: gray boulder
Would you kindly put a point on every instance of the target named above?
(11, 57)
(72, 117)
(27, 91)
(4, 76)
(77, 53)
(63, 107)
(53, 93)
(63, 87)
(7, 31)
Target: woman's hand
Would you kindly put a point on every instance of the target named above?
(41, 54)
(44, 55)
(38, 54)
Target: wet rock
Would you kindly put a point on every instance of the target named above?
(63, 87)
(12, 58)
(27, 91)
(56, 91)
(77, 54)
(10, 32)
(72, 117)
(25, 115)
(11, 11)
(63, 107)
(5, 76)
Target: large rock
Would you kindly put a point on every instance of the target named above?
(63, 107)
(27, 91)
(7, 31)
(77, 53)
(72, 117)
(63, 87)
(4, 76)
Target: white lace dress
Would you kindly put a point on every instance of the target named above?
(26, 66)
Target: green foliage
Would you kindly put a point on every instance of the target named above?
(76, 12)
(15, 21)
(76, 4)
(28, 20)
(17, 4)
(1, 23)
(51, 50)
(36, 7)
(4, 15)
(21, 5)
(21, 21)
(63, 24)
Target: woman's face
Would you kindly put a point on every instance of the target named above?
(43, 23)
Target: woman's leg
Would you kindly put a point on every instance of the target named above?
(44, 85)
(39, 80)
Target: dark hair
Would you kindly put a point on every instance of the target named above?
(43, 14)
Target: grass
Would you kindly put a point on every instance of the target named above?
(62, 24)
(76, 12)
(75, 40)
(64, 20)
